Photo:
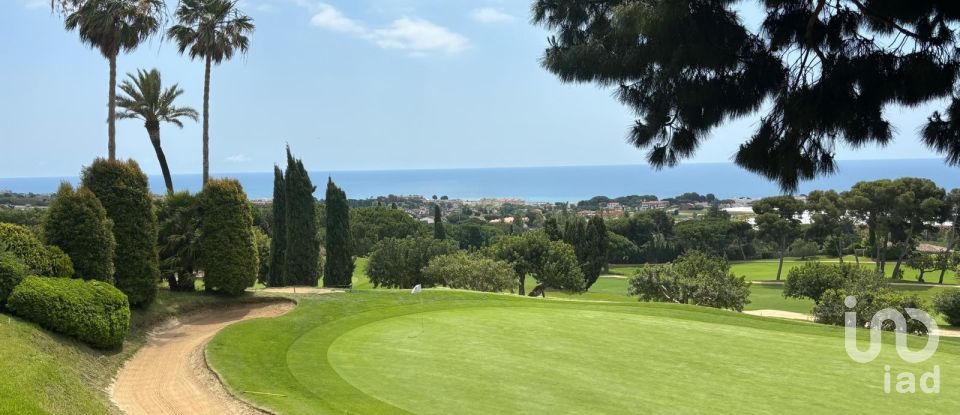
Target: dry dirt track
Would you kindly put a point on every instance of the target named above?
(169, 374)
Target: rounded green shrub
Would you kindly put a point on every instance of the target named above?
(77, 223)
(228, 254)
(93, 312)
(471, 272)
(22, 243)
(12, 272)
(948, 304)
(122, 189)
(61, 266)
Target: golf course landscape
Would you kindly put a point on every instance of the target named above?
(445, 351)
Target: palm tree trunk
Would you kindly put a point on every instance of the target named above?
(153, 129)
(206, 123)
(112, 110)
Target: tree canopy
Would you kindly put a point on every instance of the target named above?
(820, 73)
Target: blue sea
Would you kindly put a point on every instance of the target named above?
(552, 184)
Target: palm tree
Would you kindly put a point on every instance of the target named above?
(113, 26)
(213, 30)
(146, 99)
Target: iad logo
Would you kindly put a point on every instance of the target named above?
(906, 381)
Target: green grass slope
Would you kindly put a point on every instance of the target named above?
(45, 373)
(381, 351)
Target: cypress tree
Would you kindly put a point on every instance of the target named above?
(302, 250)
(278, 245)
(438, 231)
(228, 253)
(123, 190)
(338, 270)
(598, 245)
(552, 228)
(77, 223)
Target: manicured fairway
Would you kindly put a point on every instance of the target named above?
(441, 352)
(766, 269)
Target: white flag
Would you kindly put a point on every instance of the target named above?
(416, 289)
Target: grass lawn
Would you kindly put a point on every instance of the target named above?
(45, 373)
(443, 351)
(766, 269)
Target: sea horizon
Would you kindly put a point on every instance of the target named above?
(549, 183)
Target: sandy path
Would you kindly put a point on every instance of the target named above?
(779, 314)
(942, 332)
(169, 375)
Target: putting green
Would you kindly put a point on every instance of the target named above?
(450, 352)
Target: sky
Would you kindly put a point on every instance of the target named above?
(349, 85)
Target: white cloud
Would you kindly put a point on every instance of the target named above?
(239, 158)
(419, 37)
(331, 19)
(490, 15)
(415, 35)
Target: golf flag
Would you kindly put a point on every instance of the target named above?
(416, 290)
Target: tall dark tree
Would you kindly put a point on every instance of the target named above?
(552, 228)
(123, 190)
(302, 250)
(338, 269)
(828, 71)
(438, 231)
(598, 245)
(77, 223)
(228, 253)
(278, 245)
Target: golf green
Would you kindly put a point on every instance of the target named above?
(452, 352)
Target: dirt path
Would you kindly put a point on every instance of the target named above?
(169, 375)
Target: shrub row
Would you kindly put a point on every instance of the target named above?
(12, 272)
(39, 259)
(90, 311)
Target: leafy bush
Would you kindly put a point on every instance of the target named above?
(22, 243)
(471, 272)
(228, 254)
(77, 223)
(948, 304)
(812, 279)
(122, 189)
(832, 308)
(561, 270)
(178, 215)
(803, 249)
(92, 311)
(12, 272)
(398, 263)
(694, 278)
(60, 264)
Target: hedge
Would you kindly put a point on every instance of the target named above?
(228, 254)
(12, 272)
(22, 243)
(77, 223)
(122, 189)
(93, 312)
(471, 272)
